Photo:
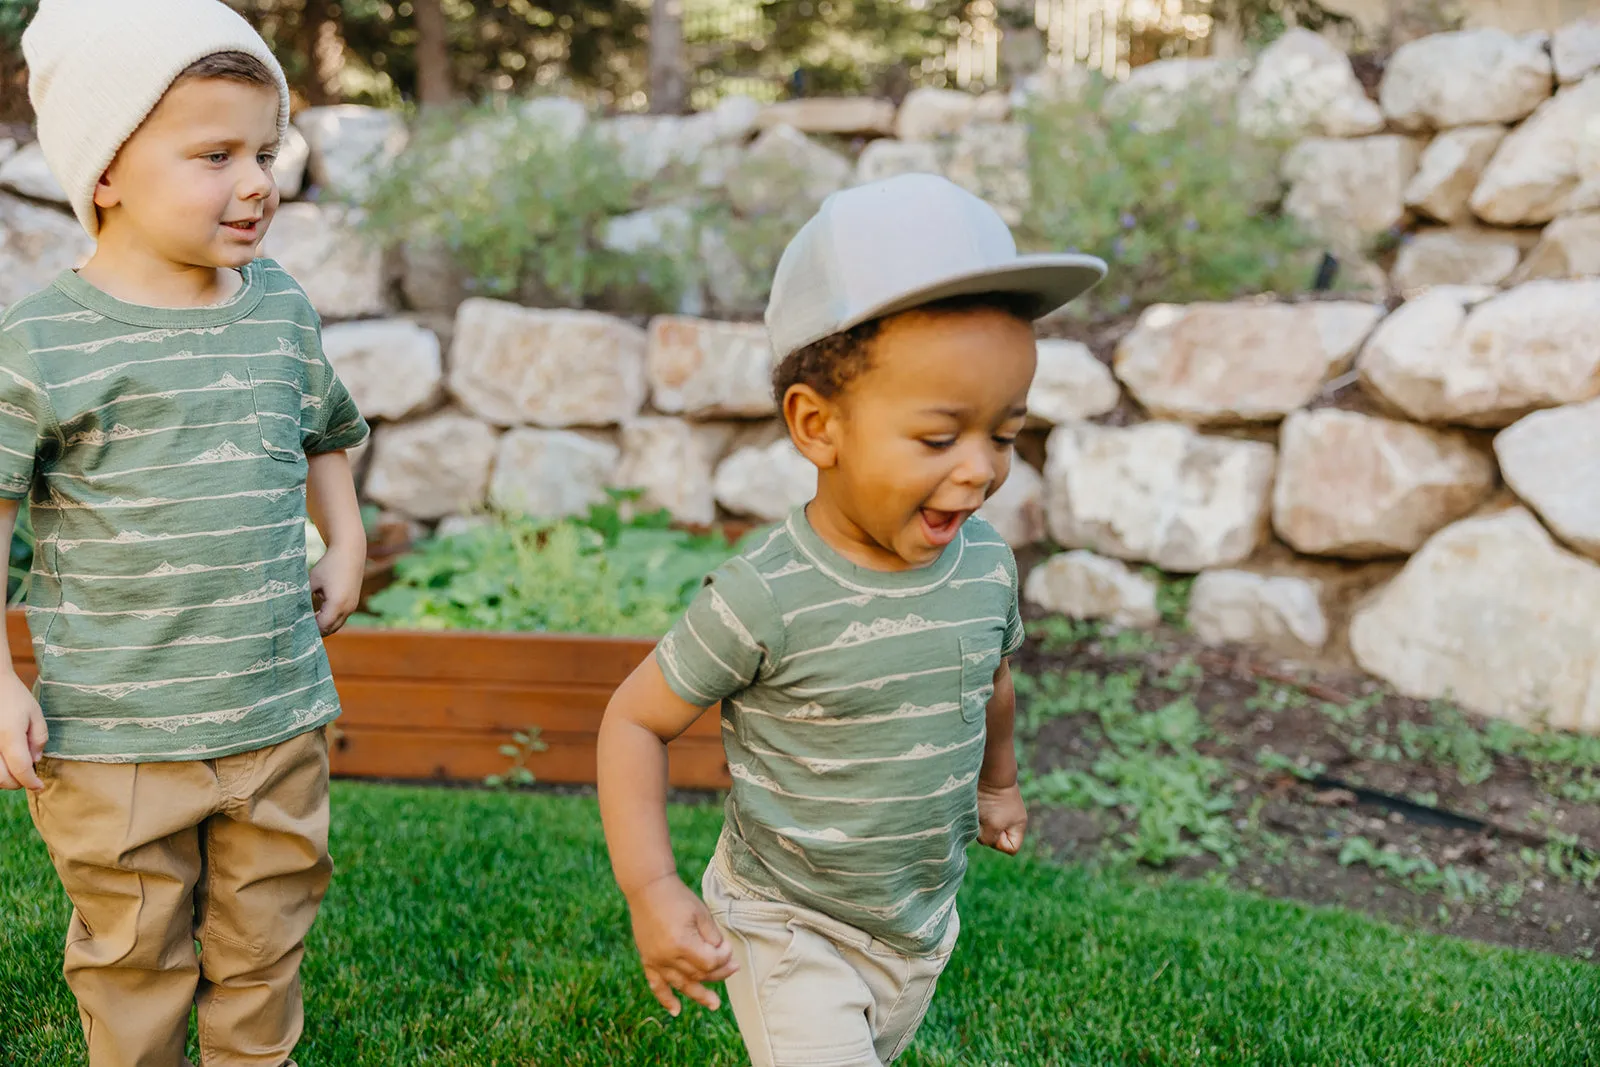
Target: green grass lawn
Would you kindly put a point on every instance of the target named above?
(479, 929)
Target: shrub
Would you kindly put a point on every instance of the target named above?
(1180, 209)
(599, 574)
(518, 203)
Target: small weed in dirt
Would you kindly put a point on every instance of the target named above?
(1303, 768)
(1172, 596)
(1272, 697)
(1416, 872)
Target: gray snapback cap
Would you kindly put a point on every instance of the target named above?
(900, 243)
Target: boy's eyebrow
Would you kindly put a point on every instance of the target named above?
(962, 411)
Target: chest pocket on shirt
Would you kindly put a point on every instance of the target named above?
(277, 402)
(980, 659)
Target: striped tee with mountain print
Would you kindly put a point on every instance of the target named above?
(163, 455)
(853, 716)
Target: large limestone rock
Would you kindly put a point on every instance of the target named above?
(1016, 510)
(1350, 191)
(784, 167)
(1462, 256)
(1575, 50)
(433, 467)
(350, 144)
(831, 115)
(1450, 169)
(1070, 384)
(990, 159)
(1529, 348)
(27, 173)
(555, 369)
(650, 145)
(551, 474)
(1158, 492)
(1157, 94)
(1246, 362)
(391, 367)
(710, 369)
(888, 158)
(1569, 248)
(1304, 84)
(1460, 79)
(339, 267)
(36, 244)
(294, 158)
(1359, 487)
(1082, 585)
(673, 462)
(765, 483)
(735, 285)
(928, 114)
(1551, 459)
(1231, 607)
(1496, 617)
(1540, 167)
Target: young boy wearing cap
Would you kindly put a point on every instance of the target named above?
(169, 414)
(859, 651)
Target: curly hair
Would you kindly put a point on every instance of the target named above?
(831, 364)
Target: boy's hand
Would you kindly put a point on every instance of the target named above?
(679, 944)
(1002, 817)
(336, 587)
(22, 735)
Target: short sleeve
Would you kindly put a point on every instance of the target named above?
(331, 422)
(1015, 632)
(25, 417)
(730, 632)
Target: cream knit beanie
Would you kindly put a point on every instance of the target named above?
(97, 68)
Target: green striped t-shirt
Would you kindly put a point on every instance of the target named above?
(163, 454)
(853, 716)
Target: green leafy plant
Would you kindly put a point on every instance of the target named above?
(1416, 872)
(524, 743)
(518, 203)
(600, 574)
(1180, 209)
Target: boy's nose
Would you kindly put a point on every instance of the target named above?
(256, 185)
(976, 470)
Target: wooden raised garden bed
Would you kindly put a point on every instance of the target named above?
(438, 706)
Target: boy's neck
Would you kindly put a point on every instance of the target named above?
(136, 274)
(845, 536)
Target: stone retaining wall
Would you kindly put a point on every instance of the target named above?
(1446, 418)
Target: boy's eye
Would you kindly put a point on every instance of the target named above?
(1005, 440)
(216, 157)
(938, 443)
(267, 159)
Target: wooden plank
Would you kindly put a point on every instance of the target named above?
(447, 755)
(512, 658)
(467, 707)
(423, 705)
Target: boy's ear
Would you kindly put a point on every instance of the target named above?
(812, 419)
(105, 194)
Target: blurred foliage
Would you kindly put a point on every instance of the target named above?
(1178, 200)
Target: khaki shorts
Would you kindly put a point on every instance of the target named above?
(815, 992)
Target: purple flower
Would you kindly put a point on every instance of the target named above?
(1191, 224)
(1128, 221)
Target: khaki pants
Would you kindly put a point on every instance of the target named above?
(232, 852)
(814, 991)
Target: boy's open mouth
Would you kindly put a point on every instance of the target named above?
(243, 226)
(941, 526)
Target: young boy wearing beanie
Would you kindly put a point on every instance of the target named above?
(169, 415)
(859, 651)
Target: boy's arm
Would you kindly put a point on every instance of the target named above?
(1002, 817)
(679, 943)
(22, 726)
(333, 507)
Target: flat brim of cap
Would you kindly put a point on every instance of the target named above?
(1047, 282)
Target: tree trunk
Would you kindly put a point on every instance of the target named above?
(321, 46)
(433, 54)
(668, 80)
